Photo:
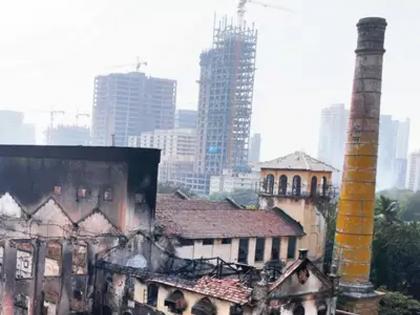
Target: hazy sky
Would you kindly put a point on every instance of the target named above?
(50, 52)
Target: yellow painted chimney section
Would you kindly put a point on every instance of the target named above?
(354, 231)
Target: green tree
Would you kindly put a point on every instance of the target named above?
(412, 209)
(396, 250)
(395, 303)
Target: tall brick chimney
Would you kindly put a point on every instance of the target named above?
(354, 231)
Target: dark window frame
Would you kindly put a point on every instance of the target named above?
(259, 249)
(208, 241)
(291, 247)
(275, 249)
(243, 250)
(226, 241)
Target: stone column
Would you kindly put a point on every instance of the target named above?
(354, 232)
(38, 265)
(9, 278)
(66, 279)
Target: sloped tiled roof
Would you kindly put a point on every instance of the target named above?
(231, 290)
(298, 161)
(175, 202)
(201, 224)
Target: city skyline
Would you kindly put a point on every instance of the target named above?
(298, 70)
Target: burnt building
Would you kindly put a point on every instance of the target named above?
(61, 209)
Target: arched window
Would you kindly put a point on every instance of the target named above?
(314, 183)
(269, 184)
(296, 188)
(283, 185)
(204, 307)
(324, 186)
(106, 310)
(176, 302)
(299, 310)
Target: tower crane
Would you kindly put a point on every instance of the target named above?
(242, 8)
(139, 63)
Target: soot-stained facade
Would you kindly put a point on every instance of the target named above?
(61, 208)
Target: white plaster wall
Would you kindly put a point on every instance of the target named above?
(95, 224)
(9, 207)
(50, 220)
(140, 292)
(186, 252)
(234, 250)
(202, 251)
(222, 250)
(251, 251)
(267, 248)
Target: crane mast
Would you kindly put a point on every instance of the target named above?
(242, 8)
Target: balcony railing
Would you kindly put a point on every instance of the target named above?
(329, 192)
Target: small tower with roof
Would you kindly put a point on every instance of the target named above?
(299, 184)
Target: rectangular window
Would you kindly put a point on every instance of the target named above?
(291, 248)
(186, 242)
(226, 240)
(208, 241)
(259, 249)
(243, 251)
(275, 249)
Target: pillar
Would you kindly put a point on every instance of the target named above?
(9, 278)
(66, 279)
(38, 266)
(355, 220)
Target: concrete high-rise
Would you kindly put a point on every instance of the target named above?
(355, 218)
(186, 118)
(177, 151)
(225, 99)
(68, 135)
(393, 145)
(13, 129)
(255, 148)
(413, 182)
(332, 135)
(127, 104)
(393, 152)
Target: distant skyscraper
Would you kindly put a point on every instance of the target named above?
(225, 99)
(401, 161)
(127, 104)
(177, 151)
(414, 172)
(332, 136)
(186, 118)
(13, 130)
(255, 148)
(393, 145)
(68, 135)
(393, 152)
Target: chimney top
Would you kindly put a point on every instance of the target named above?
(303, 253)
(371, 36)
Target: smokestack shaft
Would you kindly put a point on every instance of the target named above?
(355, 219)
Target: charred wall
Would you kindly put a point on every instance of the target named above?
(121, 182)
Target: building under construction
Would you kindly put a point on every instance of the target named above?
(225, 98)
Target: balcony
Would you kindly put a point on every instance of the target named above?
(327, 193)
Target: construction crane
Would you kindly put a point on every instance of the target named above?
(242, 8)
(78, 115)
(137, 65)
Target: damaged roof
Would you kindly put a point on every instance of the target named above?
(193, 220)
(298, 161)
(231, 290)
(179, 201)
